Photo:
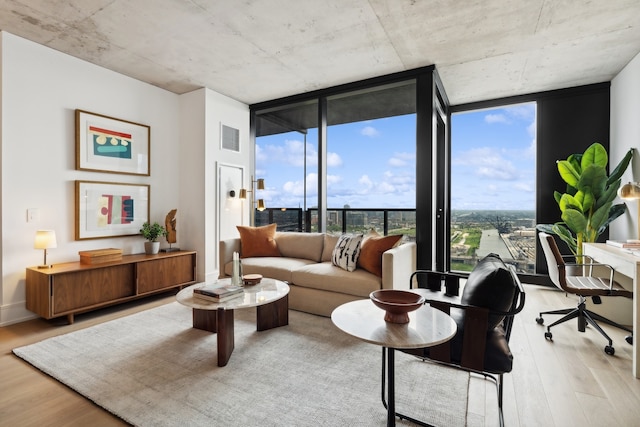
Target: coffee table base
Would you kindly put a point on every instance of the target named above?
(220, 321)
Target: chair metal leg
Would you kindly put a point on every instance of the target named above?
(585, 316)
(598, 328)
(563, 311)
(571, 315)
(599, 318)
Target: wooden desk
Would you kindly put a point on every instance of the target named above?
(628, 265)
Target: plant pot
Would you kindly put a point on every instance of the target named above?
(151, 248)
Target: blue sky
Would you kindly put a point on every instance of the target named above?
(493, 158)
(371, 164)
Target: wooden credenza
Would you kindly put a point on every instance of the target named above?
(70, 288)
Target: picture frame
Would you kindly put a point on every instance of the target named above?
(110, 209)
(107, 144)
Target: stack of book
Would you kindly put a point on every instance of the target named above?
(626, 244)
(217, 293)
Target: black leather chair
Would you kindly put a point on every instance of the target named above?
(583, 286)
(484, 314)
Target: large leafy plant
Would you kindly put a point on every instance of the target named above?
(587, 206)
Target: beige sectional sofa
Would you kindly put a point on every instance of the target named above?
(318, 286)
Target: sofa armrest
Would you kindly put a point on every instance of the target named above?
(397, 266)
(225, 253)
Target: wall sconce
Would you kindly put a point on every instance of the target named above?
(228, 203)
(259, 185)
(45, 239)
(631, 191)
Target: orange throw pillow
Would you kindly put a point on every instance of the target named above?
(258, 241)
(371, 253)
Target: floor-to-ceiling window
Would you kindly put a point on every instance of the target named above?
(342, 159)
(371, 160)
(287, 159)
(550, 126)
(493, 186)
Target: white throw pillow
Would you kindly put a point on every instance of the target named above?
(345, 254)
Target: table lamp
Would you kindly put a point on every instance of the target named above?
(631, 191)
(45, 239)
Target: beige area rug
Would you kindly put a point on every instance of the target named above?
(153, 369)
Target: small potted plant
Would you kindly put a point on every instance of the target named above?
(152, 232)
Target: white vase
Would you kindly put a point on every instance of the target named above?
(151, 248)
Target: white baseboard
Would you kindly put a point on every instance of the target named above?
(15, 313)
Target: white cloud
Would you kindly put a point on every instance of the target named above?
(496, 118)
(504, 174)
(333, 160)
(369, 131)
(385, 188)
(401, 160)
(524, 186)
(292, 154)
(488, 163)
(396, 162)
(365, 181)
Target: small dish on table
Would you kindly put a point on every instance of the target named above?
(251, 279)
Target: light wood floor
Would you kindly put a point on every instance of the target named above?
(567, 382)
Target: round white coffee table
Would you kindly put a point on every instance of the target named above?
(427, 327)
(270, 297)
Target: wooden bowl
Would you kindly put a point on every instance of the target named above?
(251, 279)
(396, 303)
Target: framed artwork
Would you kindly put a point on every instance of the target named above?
(108, 209)
(106, 144)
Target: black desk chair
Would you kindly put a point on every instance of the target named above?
(582, 286)
(484, 314)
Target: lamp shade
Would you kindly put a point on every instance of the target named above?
(261, 205)
(629, 191)
(45, 239)
(243, 193)
(260, 184)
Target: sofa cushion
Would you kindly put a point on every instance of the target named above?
(273, 267)
(371, 253)
(330, 241)
(258, 241)
(300, 245)
(327, 277)
(347, 250)
(490, 285)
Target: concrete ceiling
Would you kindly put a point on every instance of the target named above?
(258, 50)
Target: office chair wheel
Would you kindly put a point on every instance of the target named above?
(610, 350)
(539, 320)
(549, 336)
(629, 339)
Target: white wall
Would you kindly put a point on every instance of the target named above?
(625, 134)
(202, 113)
(40, 89)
